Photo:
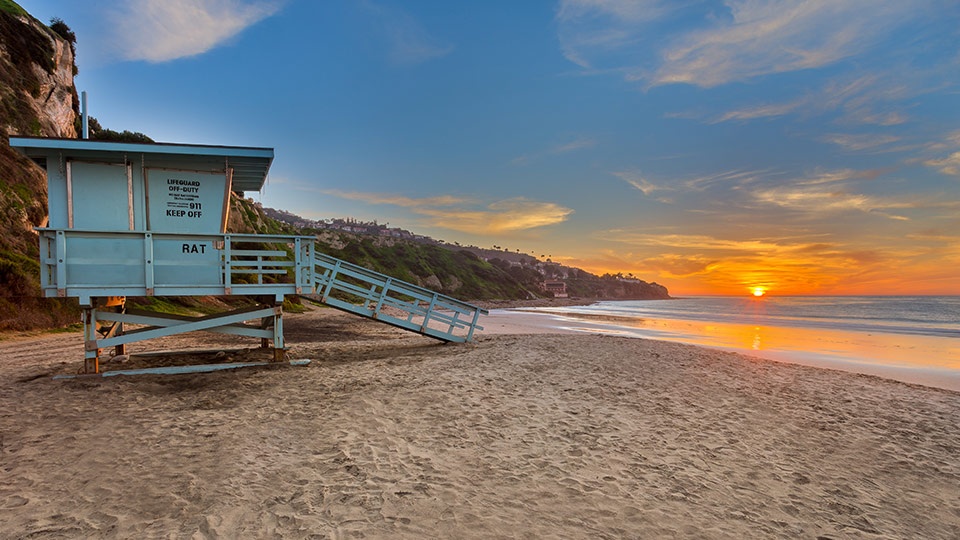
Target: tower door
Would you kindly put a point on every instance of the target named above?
(99, 196)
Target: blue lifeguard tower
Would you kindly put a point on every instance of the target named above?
(139, 220)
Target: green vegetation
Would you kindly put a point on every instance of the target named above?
(11, 7)
(64, 31)
(61, 29)
(22, 207)
(293, 305)
(21, 307)
(169, 305)
(120, 136)
(456, 273)
(100, 133)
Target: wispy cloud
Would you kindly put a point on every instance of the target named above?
(949, 165)
(860, 141)
(764, 194)
(397, 200)
(867, 99)
(469, 216)
(760, 38)
(409, 42)
(573, 145)
(729, 179)
(816, 201)
(500, 217)
(942, 154)
(699, 242)
(591, 26)
(623, 10)
(164, 30)
(859, 100)
(639, 181)
(865, 115)
(674, 265)
(769, 110)
(742, 40)
(576, 144)
(950, 141)
(830, 192)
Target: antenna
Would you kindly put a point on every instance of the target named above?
(83, 114)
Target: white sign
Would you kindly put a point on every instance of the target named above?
(186, 201)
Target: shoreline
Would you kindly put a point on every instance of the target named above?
(537, 302)
(389, 434)
(850, 351)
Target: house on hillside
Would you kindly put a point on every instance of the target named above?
(557, 288)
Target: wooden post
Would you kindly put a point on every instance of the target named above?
(279, 348)
(91, 353)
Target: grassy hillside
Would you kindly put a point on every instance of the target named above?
(457, 273)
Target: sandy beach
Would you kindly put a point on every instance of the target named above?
(519, 435)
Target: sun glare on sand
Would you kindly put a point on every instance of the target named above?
(758, 291)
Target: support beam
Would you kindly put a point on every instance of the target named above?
(169, 320)
(163, 325)
(180, 370)
(91, 354)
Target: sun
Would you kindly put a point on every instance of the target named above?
(758, 291)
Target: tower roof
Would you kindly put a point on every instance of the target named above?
(250, 164)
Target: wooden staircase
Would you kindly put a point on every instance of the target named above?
(363, 292)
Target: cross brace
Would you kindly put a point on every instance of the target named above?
(163, 325)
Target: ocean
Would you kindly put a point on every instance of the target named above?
(913, 339)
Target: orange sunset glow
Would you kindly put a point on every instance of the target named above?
(699, 265)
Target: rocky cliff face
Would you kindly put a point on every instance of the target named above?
(56, 107)
(36, 78)
(37, 98)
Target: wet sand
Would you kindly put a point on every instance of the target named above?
(389, 435)
(920, 359)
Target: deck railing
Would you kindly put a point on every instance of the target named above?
(362, 291)
(86, 264)
(89, 264)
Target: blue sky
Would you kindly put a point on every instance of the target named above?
(809, 147)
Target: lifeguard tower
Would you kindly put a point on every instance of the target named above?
(140, 220)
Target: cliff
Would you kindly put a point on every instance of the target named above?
(37, 97)
(37, 67)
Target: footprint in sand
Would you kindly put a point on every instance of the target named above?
(15, 501)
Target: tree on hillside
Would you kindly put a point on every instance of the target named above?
(64, 31)
(100, 133)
